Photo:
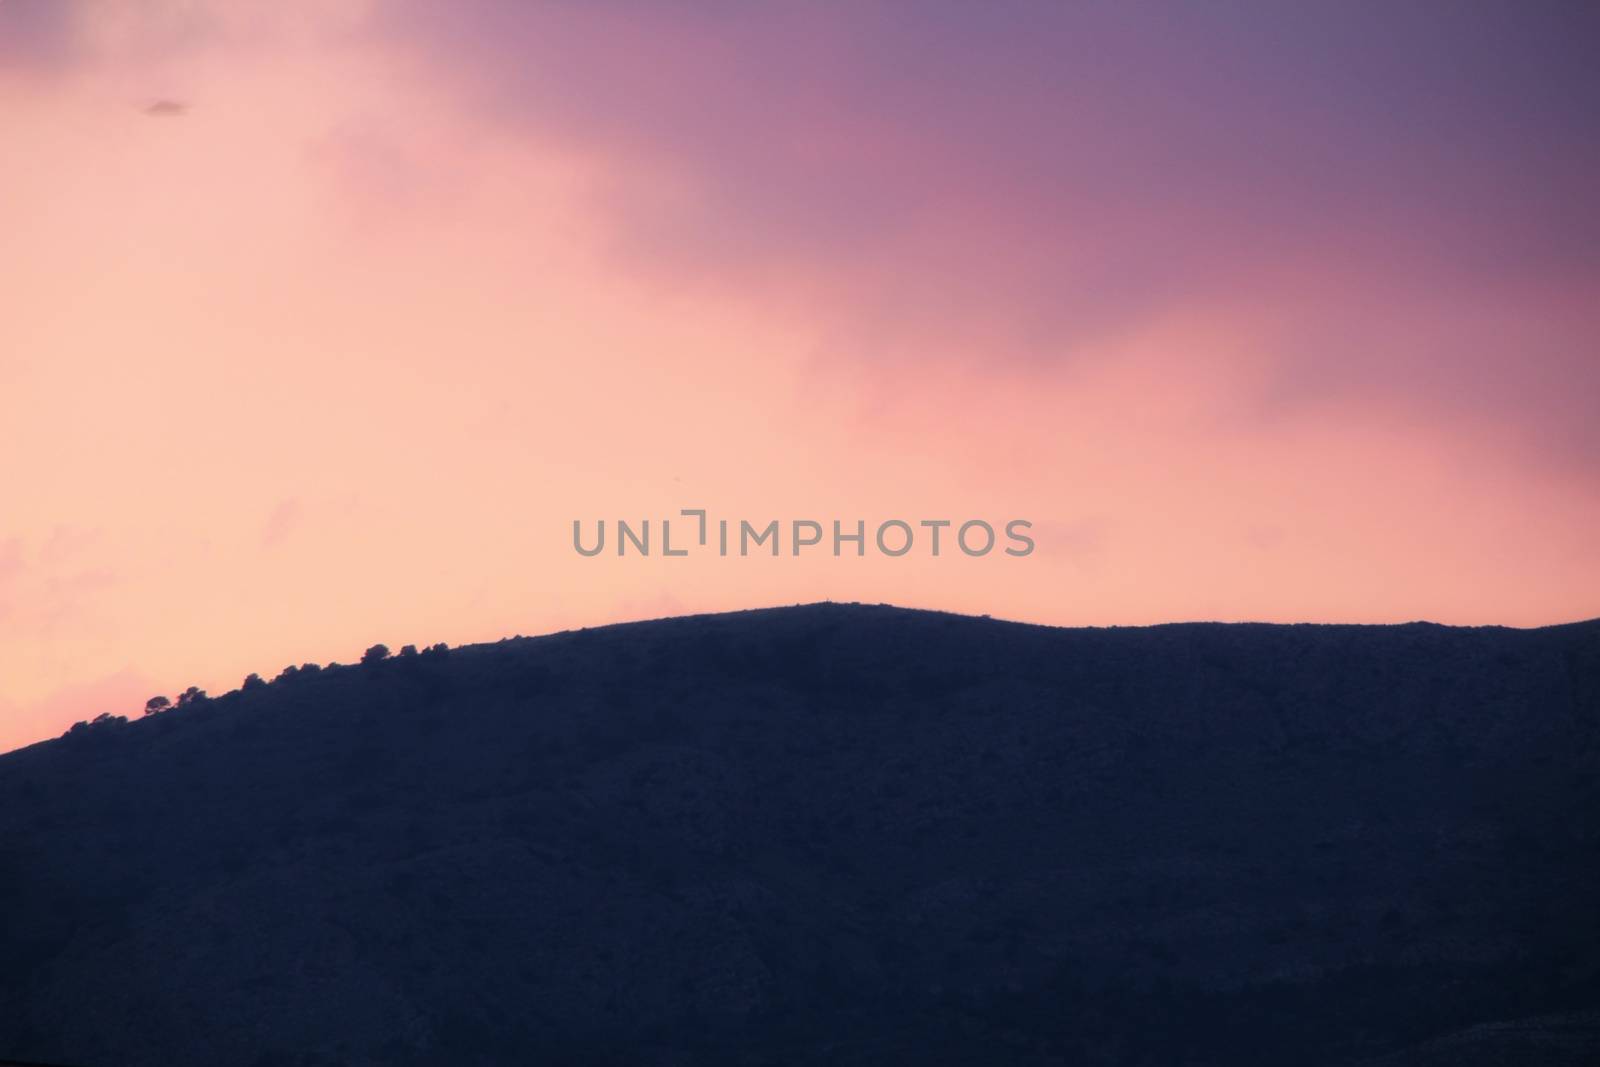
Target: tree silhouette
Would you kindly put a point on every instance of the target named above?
(374, 655)
(254, 681)
(156, 705)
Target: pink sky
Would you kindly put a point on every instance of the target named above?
(1254, 317)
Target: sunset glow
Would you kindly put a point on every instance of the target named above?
(320, 324)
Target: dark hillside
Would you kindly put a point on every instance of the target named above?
(831, 834)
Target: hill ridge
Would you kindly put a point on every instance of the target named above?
(829, 833)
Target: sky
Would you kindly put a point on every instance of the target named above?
(321, 323)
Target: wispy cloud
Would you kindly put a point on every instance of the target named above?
(280, 523)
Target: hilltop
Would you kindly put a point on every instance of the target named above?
(832, 833)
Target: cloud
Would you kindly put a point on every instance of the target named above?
(35, 34)
(167, 109)
(1169, 275)
(1017, 188)
(54, 585)
(143, 38)
(10, 559)
(280, 523)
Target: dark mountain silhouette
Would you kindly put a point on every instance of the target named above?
(830, 834)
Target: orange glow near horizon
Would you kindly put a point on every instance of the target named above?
(337, 354)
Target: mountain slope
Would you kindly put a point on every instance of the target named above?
(836, 834)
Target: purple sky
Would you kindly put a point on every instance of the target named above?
(324, 320)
